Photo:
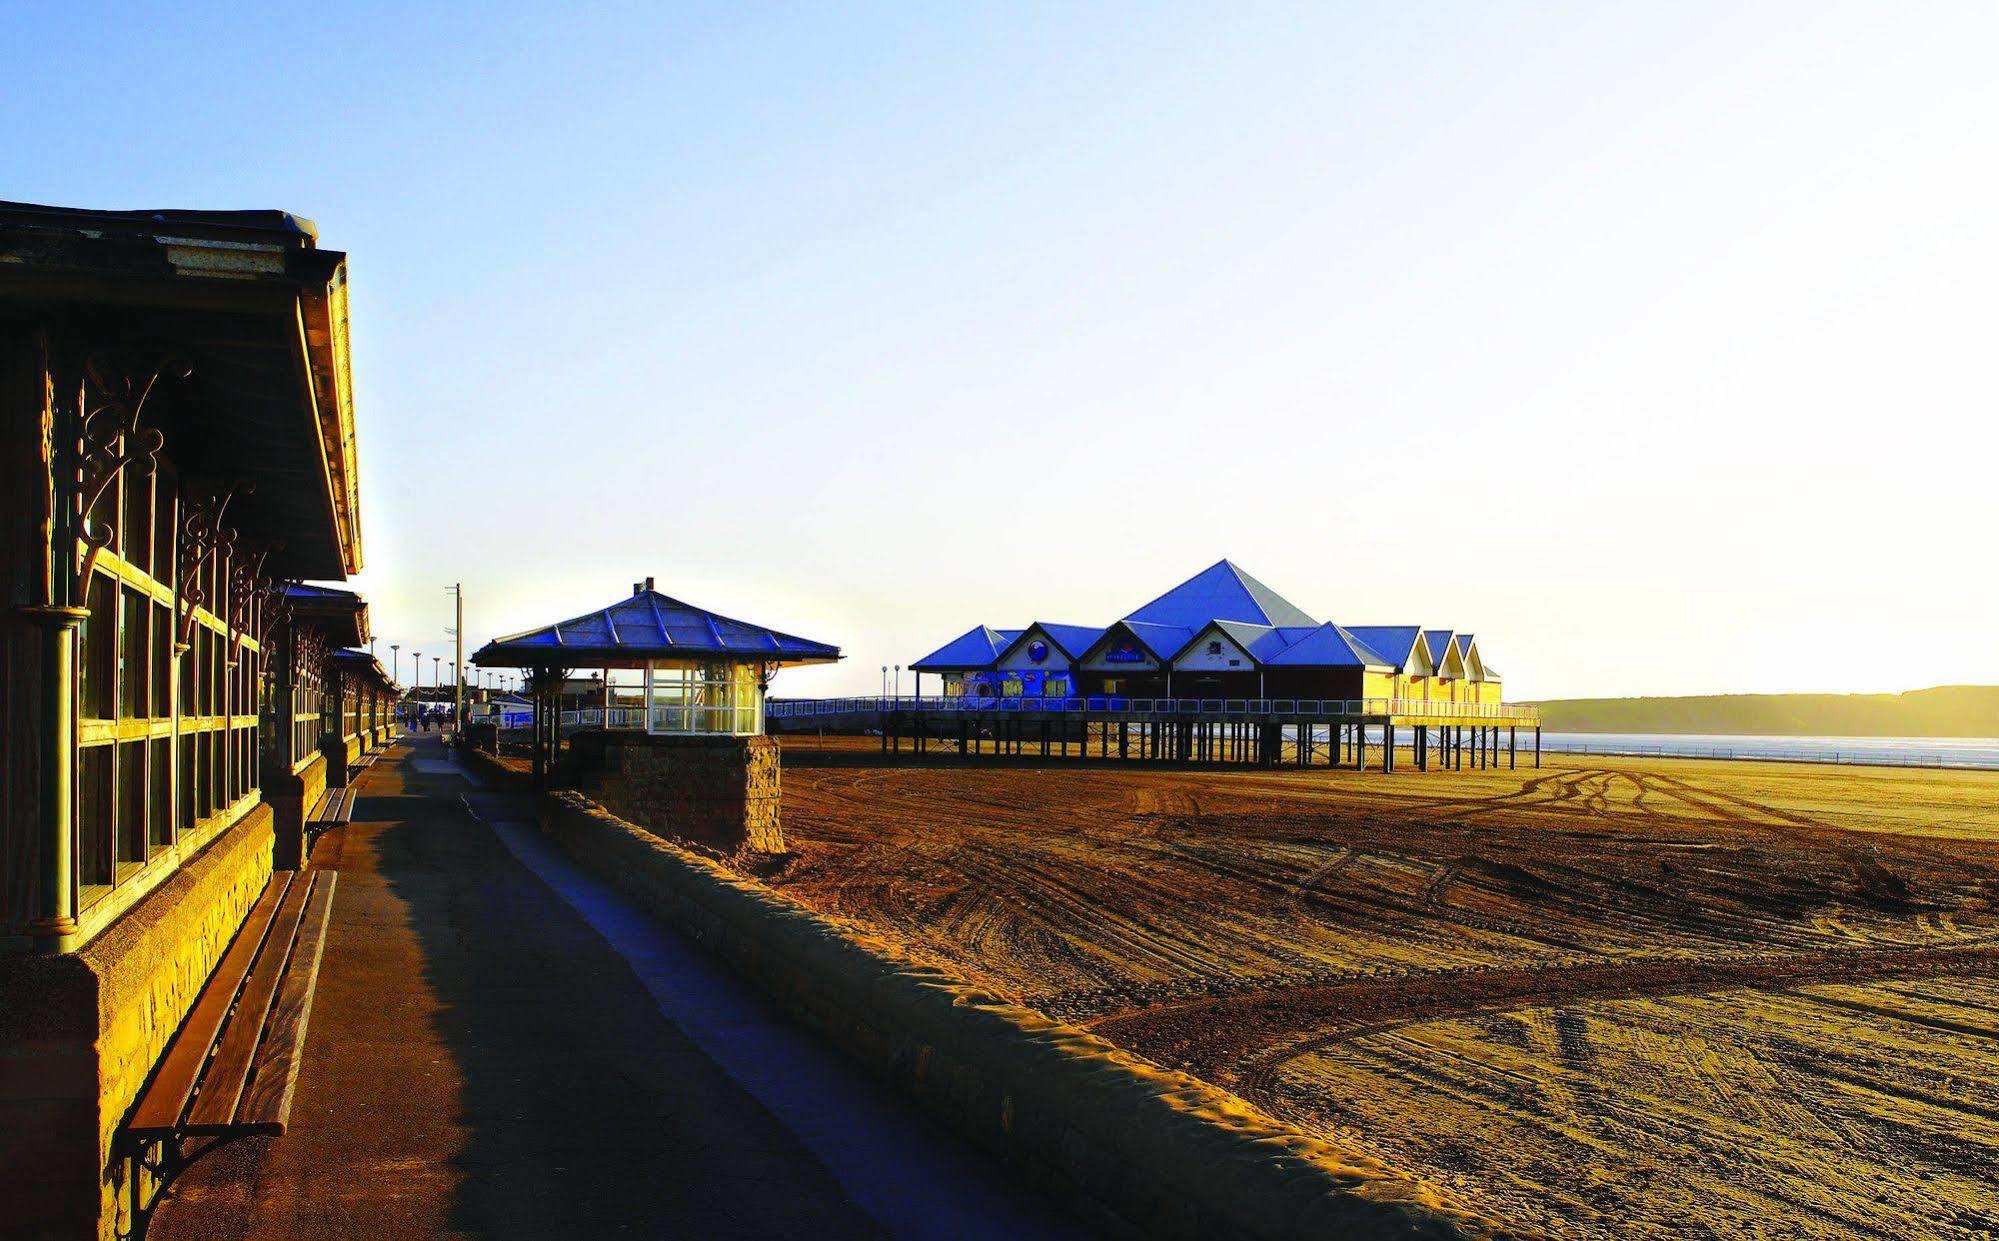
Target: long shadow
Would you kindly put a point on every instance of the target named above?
(580, 1111)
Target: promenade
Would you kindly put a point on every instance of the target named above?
(501, 1048)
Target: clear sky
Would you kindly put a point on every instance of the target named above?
(1655, 343)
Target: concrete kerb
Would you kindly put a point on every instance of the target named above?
(1157, 1151)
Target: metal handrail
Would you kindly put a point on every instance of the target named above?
(1120, 705)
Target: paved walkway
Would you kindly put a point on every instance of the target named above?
(493, 1056)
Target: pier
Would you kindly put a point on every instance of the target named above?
(1253, 732)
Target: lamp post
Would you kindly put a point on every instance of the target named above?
(396, 657)
(418, 691)
(898, 680)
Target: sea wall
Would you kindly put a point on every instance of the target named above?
(1134, 1149)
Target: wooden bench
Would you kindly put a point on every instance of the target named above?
(363, 763)
(231, 1069)
(335, 806)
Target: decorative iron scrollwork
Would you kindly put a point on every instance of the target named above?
(309, 650)
(246, 575)
(202, 535)
(272, 608)
(113, 440)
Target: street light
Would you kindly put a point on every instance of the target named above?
(396, 657)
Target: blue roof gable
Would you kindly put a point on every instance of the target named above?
(977, 647)
(1439, 641)
(1162, 641)
(1221, 592)
(1327, 646)
(1394, 643)
(1071, 640)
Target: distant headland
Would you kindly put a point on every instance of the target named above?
(1945, 711)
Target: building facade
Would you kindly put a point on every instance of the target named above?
(1220, 634)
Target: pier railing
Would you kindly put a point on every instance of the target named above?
(1152, 708)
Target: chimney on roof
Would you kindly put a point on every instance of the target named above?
(636, 588)
(648, 585)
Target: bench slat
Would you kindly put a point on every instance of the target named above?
(267, 1104)
(322, 806)
(215, 1106)
(160, 1107)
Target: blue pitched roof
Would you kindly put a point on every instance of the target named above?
(1440, 642)
(1161, 641)
(1221, 592)
(1255, 640)
(1394, 643)
(1073, 639)
(977, 647)
(649, 625)
(1327, 646)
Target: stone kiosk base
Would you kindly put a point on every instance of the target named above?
(718, 792)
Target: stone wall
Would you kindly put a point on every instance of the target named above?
(717, 792)
(80, 1034)
(1134, 1149)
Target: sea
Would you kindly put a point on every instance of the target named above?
(1981, 752)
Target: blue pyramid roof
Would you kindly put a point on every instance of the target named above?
(650, 626)
(1221, 592)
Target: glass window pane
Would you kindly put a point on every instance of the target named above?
(135, 541)
(160, 703)
(164, 528)
(94, 795)
(132, 801)
(98, 639)
(133, 679)
(188, 666)
(160, 776)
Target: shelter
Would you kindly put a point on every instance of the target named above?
(692, 761)
(177, 451)
(704, 674)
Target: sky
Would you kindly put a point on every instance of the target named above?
(1653, 343)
